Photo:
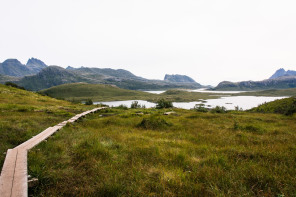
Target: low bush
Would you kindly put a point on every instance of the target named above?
(219, 109)
(122, 107)
(163, 104)
(200, 108)
(88, 102)
(14, 85)
(135, 105)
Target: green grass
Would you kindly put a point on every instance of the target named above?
(100, 92)
(23, 114)
(119, 152)
(285, 106)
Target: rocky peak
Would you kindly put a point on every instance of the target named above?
(35, 65)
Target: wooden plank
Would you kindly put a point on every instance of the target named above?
(14, 175)
(33, 138)
(7, 174)
(20, 181)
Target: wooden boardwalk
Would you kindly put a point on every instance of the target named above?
(14, 175)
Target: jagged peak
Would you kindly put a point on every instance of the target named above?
(35, 61)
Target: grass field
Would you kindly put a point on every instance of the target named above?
(23, 114)
(100, 92)
(141, 152)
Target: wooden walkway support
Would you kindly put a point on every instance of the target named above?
(14, 174)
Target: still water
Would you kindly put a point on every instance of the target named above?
(244, 102)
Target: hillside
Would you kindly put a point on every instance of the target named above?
(48, 77)
(285, 106)
(23, 114)
(97, 92)
(103, 92)
(6, 78)
(277, 83)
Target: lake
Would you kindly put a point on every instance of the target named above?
(244, 102)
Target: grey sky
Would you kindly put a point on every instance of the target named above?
(209, 40)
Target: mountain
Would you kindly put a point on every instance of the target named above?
(36, 75)
(48, 77)
(54, 75)
(282, 72)
(107, 72)
(35, 65)
(13, 67)
(178, 78)
(276, 83)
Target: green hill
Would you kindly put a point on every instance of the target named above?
(103, 92)
(285, 106)
(24, 114)
(97, 92)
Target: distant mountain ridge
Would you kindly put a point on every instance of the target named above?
(14, 68)
(281, 79)
(178, 78)
(36, 75)
(277, 83)
(54, 75)
(282, 72)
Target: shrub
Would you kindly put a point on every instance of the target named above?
(219, 109)
(237, 108)
(200, 108)
(88, 102)
(14, 85)
(163, 104)
(124, 107)
(135, 105)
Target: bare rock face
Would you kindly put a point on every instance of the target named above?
(179, 78)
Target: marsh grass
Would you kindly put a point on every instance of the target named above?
(192, 154)
(24, 114)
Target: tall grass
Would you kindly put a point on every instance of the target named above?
(186, 154)
(24, 114)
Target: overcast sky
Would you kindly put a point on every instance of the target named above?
(208, 40)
